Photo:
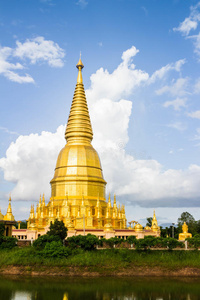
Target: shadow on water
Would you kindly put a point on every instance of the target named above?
(56, 288)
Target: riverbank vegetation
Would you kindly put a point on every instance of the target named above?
(107, 260)
(102, 257)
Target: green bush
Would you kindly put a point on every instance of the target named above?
(194, 242)
(171, 243)
(158, 242)
(144, 244)
(41, 242)
(88, 242)
(112, 242)
(131, 239)
(7, 242)
(102, 242)
(55, 249)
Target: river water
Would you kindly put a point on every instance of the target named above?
(59, 288)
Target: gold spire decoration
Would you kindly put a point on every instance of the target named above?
(109, 201)
(154, 220)
(79, 124)
(40, 201)
(43, 200)
(9, 216)
(154, 223)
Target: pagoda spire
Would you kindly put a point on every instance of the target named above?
(154, 220)
(9, 216)
(79, 127)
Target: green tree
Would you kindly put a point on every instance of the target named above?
(55, 249)
(87, 242)
(131, 239)
(58, 229)
(149, 221)
(23, 225)
(41, 242)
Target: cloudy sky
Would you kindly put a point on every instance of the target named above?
(142, 80)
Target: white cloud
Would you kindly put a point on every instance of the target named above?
(104, 113)
(176, 104)
(196, 39)
(191, 22)
(178, 126)
(120, 83)
(6, 67)
(39, 49)
(30, 161)
(195, 114)
(36, 50)
(161, 73)
(177, 89)
(186, 26)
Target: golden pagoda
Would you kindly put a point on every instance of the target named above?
(78, 187)
(8, 219)
(9, 216)
(154, 224)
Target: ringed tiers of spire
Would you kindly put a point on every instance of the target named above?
(79, 125)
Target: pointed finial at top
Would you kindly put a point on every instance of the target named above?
(80, 66)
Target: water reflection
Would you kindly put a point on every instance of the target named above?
(23, 288)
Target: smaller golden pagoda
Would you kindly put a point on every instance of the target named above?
(185, 234)
(8, 219)
(9, 216)
(154, 224)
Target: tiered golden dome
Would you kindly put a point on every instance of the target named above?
(78, 169)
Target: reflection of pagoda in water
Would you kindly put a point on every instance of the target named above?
(78, 187)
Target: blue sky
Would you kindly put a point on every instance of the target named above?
(142, 82)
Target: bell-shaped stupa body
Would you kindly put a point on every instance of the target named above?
(78, 170)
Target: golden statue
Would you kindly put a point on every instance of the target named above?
(185, 234)
(78, 187)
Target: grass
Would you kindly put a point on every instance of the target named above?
(110, 260)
